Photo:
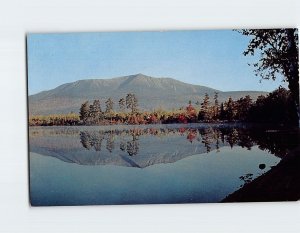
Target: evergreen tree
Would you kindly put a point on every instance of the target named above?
(243, 106)
(84, 112)
(109, 106)
(122, 104)
(222, 114)
(131, 102)
(276, 107)
(92, 112)
(216, 106)
(204, 111)
(230, 109)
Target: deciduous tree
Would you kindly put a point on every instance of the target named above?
(278, 52)
(95, 110)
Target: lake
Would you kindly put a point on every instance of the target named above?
(155, 164)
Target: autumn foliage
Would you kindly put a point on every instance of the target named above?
(277, 108)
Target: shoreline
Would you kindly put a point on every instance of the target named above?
(281, 183)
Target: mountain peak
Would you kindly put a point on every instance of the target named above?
(137, 79)
(139, 76)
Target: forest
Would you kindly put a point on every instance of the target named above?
(275, 108)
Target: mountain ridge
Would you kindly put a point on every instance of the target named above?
(152, 93)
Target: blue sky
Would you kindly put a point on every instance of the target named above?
(211, 58)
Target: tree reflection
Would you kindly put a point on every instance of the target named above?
(207, 137)
(91, 140)
(110, 144)
(192, 134)
(133, 145)
(122, 145)
(278, 142)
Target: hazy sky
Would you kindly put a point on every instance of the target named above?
(210, 58)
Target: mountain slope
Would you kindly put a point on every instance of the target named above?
(151, 93)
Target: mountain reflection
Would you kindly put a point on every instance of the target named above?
(274, 141)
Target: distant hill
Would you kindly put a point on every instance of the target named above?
(152, 93)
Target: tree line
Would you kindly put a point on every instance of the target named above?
(278, 50)
(275, 108)
(93, 114)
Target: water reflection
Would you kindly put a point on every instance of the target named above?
(93, 140)
(275, 142)
(179, 163)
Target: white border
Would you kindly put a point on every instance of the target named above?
(20, 17)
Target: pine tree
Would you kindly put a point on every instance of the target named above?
(243, 106)
(84, 112)
(204, 111)
(96, 111)
(109, 106)
(230, 109)
(92, 113)
(122, 104)
(131, 102)
(222, 112)
(216, 106)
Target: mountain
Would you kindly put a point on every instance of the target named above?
(152, 93)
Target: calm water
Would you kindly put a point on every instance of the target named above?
(148, 164)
